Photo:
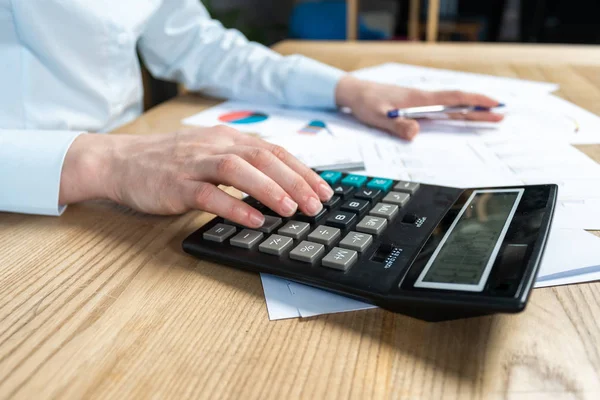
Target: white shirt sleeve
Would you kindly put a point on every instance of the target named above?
(30, 169)
(182, 43)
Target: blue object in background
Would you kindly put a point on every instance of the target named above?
(326, 20)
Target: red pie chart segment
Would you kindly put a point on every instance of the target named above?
(243, 117)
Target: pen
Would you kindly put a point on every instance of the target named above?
(420, 112)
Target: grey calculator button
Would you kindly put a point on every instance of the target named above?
(396, 198)
(271, 223)
(325, 235)
(373, 225)
(339, 258)
(246, 239)
(219, 233)
(387, 211)
(407, 187)
(356, 241)
(294, 229)
(307, 251)
(276, 244)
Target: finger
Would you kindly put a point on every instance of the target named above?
(207, 197)
(478, 116)
(456, 97)
(317, 183)
(296, 186)
(232, 170)
(403, 128)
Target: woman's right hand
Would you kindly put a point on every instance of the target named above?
(174, 173)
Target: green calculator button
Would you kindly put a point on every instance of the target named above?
(380, 183)
(354, 180)
(331, 177)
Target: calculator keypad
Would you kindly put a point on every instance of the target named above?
(295, 229)
(219, 233)
(325, 235)
(397, 198)
(246, 239)
(356, 241)
(308, 252)
(271, 223)
(339, 258)
(276, 245)
(361, 209)
(356, 206)
(387, 211)
(343, 191)
(341, 219)
(373, 225)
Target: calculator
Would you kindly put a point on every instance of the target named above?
(431, 252)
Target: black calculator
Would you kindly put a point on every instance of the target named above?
(430, 252)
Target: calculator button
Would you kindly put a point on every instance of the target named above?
(343, 191)
(325, 235)
(339, 258)
(276, 244)
(407, 187)
(331, 177)
(300, 216)
(356, 241)
(368, 194)
(332, 202)
(380, 184)
(387, 211)
(294, 229)
(396, 198)
(219, 233)
(246, 239)
(354, 180)
(341, 219)
(271, 223)
(410, 219)
(307, 251)
(357, 206)
(373, 225)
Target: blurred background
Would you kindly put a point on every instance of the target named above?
(517, 21)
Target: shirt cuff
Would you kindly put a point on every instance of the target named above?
(30, 169)
(312, 84)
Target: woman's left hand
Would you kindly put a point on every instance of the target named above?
(370, 102)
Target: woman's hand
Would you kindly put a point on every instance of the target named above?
(174, 173)
(370, 102)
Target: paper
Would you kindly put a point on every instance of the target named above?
(426, 78)
(287, 299)
(268, 121)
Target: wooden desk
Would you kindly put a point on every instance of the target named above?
(102, 303)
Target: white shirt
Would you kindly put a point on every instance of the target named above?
(71, 66)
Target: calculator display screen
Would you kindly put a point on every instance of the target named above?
(465, 256)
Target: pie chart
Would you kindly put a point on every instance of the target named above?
(243, 117)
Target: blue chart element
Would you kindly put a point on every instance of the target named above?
(314, 127)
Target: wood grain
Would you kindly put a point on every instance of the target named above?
(102, 302)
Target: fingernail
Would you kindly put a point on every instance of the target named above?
(325, 191)
(288, 206)
(257, 220)
(313, 206)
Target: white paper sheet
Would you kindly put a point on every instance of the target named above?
(426, 78)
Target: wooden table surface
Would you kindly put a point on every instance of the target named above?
(102, 302)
